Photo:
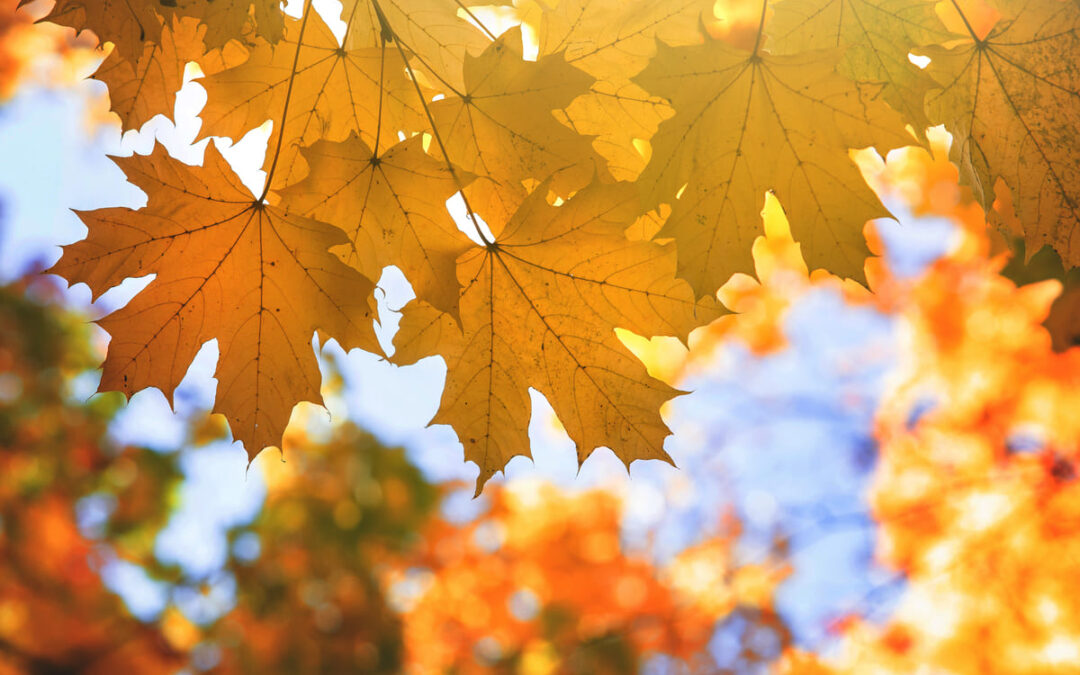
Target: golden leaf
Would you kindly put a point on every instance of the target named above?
(1011, 101)
(232, 19)
(539, 309)
(612, 41)
(140, 89)
(500, 128)
(125, 24)
(320, 89)
(748, 122)
(393, 209)
(432, 32)
(877, 36)
(227, 267)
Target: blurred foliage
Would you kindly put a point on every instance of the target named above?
(539, 583)
(311, 602)
(42, 53)
(56, 616)
(975, 493)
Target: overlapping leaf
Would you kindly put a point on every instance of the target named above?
(538, 309)
(227, 267)
(748, 122)
(312, 89)
(1012, 102)
(128, 25)
(423, 100)
(231, 19)
(393, 209)
(431, 32)
(612, 41)
(876, 35)
(500, 127)
(145, 87)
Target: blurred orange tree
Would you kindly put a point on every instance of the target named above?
(56, 615)
(975, 494)
(540, 583)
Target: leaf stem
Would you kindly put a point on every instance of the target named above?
(387, 30)
(967, 24)
(288, 98)
(480, 23)
(382, 95)
(761, 26)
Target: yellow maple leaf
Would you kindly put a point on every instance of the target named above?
(140, 89)
(877, 36)
(539, 309)
(393, 209)
(431, 32)
(231, 19)
(230, 268)
(499, 127)
(312, 88)
(748, 122)
(125, 24)
(612, 41)
(1012, 109)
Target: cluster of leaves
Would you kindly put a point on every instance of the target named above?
(634, 145)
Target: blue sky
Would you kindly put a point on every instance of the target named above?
(784, 438)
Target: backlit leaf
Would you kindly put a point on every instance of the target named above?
(1012, 102)
(227, 268)
(746, 123)
(539, 309)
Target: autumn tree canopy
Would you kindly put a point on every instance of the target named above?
(566, 135)
(613, 160)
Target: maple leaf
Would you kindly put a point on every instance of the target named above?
(232, 19)
(877, 36)
(612, 41)
(230, 268)
(140, 89)
(312, 88)
(748, 122)
(128, 25)
(500, 127)
(538, 309)
(392, 207)
(430, 31)
(1011, 101)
